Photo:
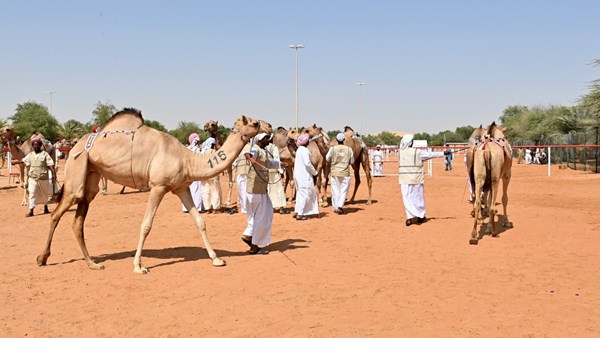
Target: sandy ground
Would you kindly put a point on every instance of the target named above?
(361, 274)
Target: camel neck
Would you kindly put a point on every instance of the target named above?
(207, 165)
(15, 151)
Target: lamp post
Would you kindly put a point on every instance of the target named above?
(361, 84)
(296, 47)
(51, 92)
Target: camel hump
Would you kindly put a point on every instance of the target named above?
(128, 117)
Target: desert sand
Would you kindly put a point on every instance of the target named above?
(355, 275)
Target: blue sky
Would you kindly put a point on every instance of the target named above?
(428, 65)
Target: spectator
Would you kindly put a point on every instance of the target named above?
(377, 157)
(40, 166)
(448, 155)
(211, 188)
(304, 171)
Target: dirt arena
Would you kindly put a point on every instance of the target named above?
(355, 275)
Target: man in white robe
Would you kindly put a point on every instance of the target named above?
(411, 178)
(258, 204)
(195, 187)
(306, 193)
(211, 188)
(275, 189)
(341, 158)
(241, 167)
(377, 162)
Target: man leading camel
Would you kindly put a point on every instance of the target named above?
(38, 163)
(411, 178)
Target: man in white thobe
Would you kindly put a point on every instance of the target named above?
(258, 204)
(304, 171)
(377, 162)
(195, 187)
(211, 188)
(241, 167)
(341, 158)
(275, 189)
(411, 178)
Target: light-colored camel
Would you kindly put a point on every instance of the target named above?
(492, 162)
(361, 158)
(321, 140)
(474, 140)
(19, 152)
(318, 161)
(280, 139)
(129, 153)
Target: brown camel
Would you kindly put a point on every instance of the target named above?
(129, 153)
(317, 159)
(19, 152)
(280, 139)
(361, 158)
(321, 140)
(492, 162)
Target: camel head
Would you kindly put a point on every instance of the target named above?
(495, 131)
(246, 126)
(265, 127)
(212, 127)
(7, 134)
(314, 130)
(347, 128)
(477, 135)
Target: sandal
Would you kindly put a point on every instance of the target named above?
(258, 251)
(301, 218)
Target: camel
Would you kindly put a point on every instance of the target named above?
(474, 140)
(492, 162)
(361, 157)
(317, 159)
(280, 140)
(7, 135)
(130, 153)
(321, 140)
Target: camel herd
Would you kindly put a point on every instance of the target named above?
(132, 154)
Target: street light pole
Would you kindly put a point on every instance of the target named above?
(361, 84)
(296, 47)
(51, 92)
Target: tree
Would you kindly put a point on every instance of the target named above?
(184, 129)
(388, 138)
(592, 99)
(32, 116)
(102, 113)
(156, 125)
(72, 129)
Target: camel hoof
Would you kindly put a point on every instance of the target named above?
(369, 202)
(141, 270)
(23, 203)
(95, 266)
(472, 213)
(218, 262)
(41, 260)
(508, 225)
(473, 241)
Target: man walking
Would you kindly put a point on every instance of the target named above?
(39, 163)
(341, 158)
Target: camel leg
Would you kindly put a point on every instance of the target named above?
(367, 169)
(58, 212)
(476, 213)
(104, 186)
(91, 189)
(355, 167)
(230, 186)
(186, 198)
(25, 200)
(505, 182)
(156, 196)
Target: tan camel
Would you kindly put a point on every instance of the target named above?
(474, 140)
(317, 159)
(280, 139)
(361, 158)
(492, 162)
(19, 152)
(129, 153)
(321, 140)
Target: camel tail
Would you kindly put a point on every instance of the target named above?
(488, 171)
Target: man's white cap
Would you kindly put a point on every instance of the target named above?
(406, 140)
(340, 137)
(262, 135)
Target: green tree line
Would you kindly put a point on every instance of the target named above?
(524, 125)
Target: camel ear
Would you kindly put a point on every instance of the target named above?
(481, 126)
(314, 125)
(244, 119)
